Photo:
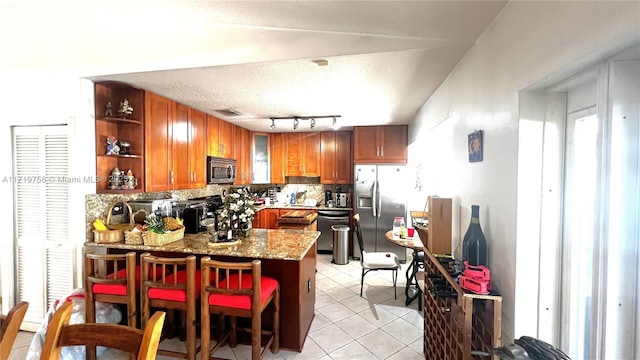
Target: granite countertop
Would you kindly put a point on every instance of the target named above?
(260, 244)
(299, 207)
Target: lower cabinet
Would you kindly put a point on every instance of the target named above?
(266, 219)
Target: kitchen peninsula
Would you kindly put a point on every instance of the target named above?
(287, 255)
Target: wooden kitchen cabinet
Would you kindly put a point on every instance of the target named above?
(303, 154)
(266, 219)
(242, 148)
(336, 166)
(158, 125)
(220, 136)
(225, 139)
(271, 218)
(188, 148)
(174, 145)
(380, 144)
(130, 128)
(277, 151)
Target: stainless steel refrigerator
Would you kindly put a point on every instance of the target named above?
(380, 194)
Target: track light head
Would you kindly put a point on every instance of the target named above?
(335, 125)
(273, 124)
(296, 122)
(312, 123)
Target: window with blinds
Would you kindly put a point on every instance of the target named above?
(43, 253)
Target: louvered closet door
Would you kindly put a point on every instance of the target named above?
(44, 255)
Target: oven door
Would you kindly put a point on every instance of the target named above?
(326, 219)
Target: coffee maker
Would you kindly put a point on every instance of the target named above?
(328, 198)
(341, 198)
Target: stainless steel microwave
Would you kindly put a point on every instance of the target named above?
(220, 170)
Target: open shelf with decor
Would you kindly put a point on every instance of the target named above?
(124, 128)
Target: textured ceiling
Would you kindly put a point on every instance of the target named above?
(385, 57)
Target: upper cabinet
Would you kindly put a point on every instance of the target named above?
(336, 166)
(127, 129)
(277, 156)
(302, 154)
(189, 148)
(380, 144)
(242, 147)
(159, 114)
(174, 145)
(260, 158)
(220, 135)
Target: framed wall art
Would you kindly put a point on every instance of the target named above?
(475, 144)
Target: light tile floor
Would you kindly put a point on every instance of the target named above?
(346, 326)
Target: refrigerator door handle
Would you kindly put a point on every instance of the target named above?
(375, 191)
(379, 202)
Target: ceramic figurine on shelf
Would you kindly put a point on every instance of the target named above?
(109, 110)
(125, 109)
(112, 146)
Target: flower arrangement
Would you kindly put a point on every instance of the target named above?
(238, 210)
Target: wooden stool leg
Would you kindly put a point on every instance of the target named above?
(233, 341)
(205, 330)
(256, 330)
(191, 333)
(90, 317)
(275, 346)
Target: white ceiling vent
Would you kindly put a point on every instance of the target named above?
(228, 112)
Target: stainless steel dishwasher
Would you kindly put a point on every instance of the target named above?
(326, 219)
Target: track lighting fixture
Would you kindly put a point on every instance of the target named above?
(312, 121)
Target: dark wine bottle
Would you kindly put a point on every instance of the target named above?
(474, 244)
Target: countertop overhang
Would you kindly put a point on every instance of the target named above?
(260, 244)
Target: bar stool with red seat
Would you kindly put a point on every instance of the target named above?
(172, 283)
(110, 278)
(239, 289)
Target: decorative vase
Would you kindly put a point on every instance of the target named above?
(474, 245)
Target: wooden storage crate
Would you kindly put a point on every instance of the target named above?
(436, 236)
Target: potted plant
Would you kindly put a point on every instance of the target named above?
(237, 212)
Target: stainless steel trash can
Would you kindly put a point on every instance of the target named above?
(340, 244)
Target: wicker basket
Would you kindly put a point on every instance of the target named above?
(153, 239)
(122, 226)
(107, 236)
(132, 237)
(116, 231)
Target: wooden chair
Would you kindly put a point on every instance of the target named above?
(111, 278)
(374, 261)
(134, 341)
(172, 283)
(242, 291)
(9, 327)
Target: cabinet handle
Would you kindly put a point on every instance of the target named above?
(377, 150)
(382, 150)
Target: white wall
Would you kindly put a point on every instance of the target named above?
(529, 42)
(45, 98)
